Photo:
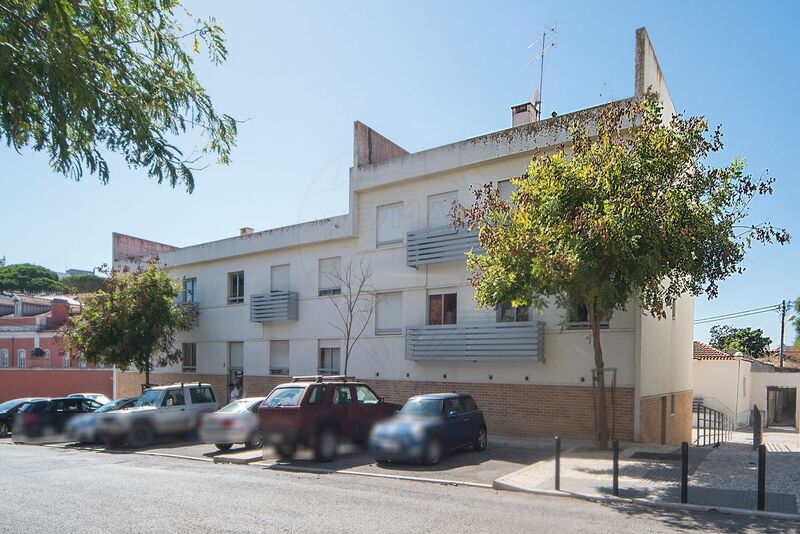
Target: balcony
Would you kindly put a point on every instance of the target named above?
(523, 341)
(438, 245)
(274, 306)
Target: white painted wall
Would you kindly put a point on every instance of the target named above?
(762, 380)
(725, 385)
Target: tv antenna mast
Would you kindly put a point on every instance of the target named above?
(548, 41)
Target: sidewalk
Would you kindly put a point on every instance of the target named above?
(724, 477)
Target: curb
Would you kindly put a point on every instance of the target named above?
(321, 470)
(222, 459)
(505, 486)
(166, 455)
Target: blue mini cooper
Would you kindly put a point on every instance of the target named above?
(429, 426)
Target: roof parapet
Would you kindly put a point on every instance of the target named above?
(371, 147)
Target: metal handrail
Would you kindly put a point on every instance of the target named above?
(713, 428)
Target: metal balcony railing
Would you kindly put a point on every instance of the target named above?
(278, 305)
(522, 341)
(438, 245)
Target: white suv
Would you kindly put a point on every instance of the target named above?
(161, 411)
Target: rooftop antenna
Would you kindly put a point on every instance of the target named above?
(548, 41)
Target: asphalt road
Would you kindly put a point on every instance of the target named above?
(60, 490)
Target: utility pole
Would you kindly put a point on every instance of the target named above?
(783, 324)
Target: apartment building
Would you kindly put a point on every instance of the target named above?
(265, 299)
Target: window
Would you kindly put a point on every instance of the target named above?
(189, 357)
(342, 396)
(189, 289)
(506, 313)
(440, 208)
(329, 357)
(201, 395)
(672, 404)
(279, 277)
(744, 386)
(505, 188)
(236, 355)
(287, 396)
(174, 397)
(21, 359)
(329, 273)
(82, 364)
(47, 354)
(4, 358)
(317, 394)
(578, 317)
(389, 313)
(469, 404)
(390, 224)
(236, 287)
(453, 405)
(66, 362)
(279, 357)
(364, 395)
(442, 308)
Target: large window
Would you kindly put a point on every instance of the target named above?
(189, 357)
(4, 358)
(236, 287)
(66, 362)
(189, 289)
(578, 317)
(21, 359)
(442, 308)
(507, 313)
(440, 209)
(279, 357)
(279, 277)
(329, 358)
(329, 276)
(389, 313)
(391, 227)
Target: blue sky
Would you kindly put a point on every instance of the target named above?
(424, 74)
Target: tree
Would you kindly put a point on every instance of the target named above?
(79, 79)
(131, 321)
(620, 215)
(354, 304)
(747, 340)
(28, 278)
(82, 283)
(796, 322)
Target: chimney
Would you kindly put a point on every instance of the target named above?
(525, 113)
(245, 231)
(59, 311)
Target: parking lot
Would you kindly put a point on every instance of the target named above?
(467, 466)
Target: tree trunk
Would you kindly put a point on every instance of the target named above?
(601, 416)
(147, 375)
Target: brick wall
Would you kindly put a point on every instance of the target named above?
(659, 425)
(129, 384)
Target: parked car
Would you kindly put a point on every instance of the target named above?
(99, 397)
(320, 412)
(161, 412)
(236, 422)
(45, 420)
(83, 428)
(9, 409)
(429, 426)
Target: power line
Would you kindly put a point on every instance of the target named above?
(736, 315)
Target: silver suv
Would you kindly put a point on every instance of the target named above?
(161, 411)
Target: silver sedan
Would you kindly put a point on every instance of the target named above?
(235, 423)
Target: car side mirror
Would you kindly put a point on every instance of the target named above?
(380, 400)
(453, 414)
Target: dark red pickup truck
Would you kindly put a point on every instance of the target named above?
(319, 412)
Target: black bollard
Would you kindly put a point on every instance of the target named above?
(615, 472)
(684, 472)
(762, 477)
(558, 463)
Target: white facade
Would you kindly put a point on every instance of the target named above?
(392, 193)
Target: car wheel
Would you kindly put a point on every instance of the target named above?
(3, 430)
(481, 440)
(433, 451)
(256, 441)
(326, 445)
(141, 436)
(223, 446)
(286, 451)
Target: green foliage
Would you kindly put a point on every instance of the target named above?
(82, 283)
(131, 321)
(78, 79)
(747, 340)
(28, 278)
(795, 306)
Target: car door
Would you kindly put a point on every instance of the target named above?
(472, 418)
(64, 411)
(172, 415)
(369, 410)
(345, 411)
(455, 427)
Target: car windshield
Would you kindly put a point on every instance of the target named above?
(113, 405)
(285, 397)
(7, 405)
(422, 406)
(235, 406)
(149, 398)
